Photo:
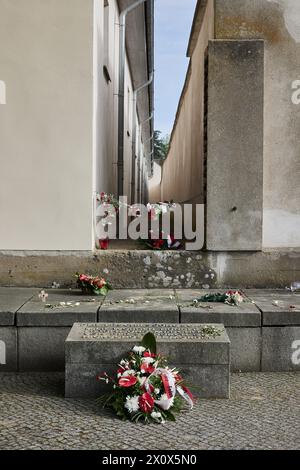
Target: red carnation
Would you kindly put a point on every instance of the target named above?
(158, 243)
(146, 403)
(104, 244)
(147, 368)
(148, 354)
(128, 381)
(99, 283)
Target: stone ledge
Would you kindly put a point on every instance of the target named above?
(11, 300)
(139, 306)
(278, 308)
(35, 313)
(244, 315)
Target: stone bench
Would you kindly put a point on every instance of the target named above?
(11, 300)
(92, 349)
(139, 306)
(280, 330)
(42, 331)
(242, 323)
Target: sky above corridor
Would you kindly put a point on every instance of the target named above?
(173, 22)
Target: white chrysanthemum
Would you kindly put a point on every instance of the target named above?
(164, 402)
(128, 372)
(156, 391)
(139, 350)
(132, 404)
(148, 360)
(238, 298)
(124, 363)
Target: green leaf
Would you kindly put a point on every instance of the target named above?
(149, 342)
(170, 416)
(213, 298)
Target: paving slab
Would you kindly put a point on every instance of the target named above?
(281, 349)
(42, 349)
(244, 315)
(36, 313)
(11, 300)
(8, 349)
(278, 308)
(139, 306)
(263, 413)
(95, 348)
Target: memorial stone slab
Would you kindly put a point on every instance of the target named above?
(202, 351)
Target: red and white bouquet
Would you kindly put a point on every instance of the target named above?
(145, 388)
(93, 285)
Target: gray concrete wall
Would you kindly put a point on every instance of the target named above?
(278, 23)
(182, 171)
(149, 269)
(235, 145)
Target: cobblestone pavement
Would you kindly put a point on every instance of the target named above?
(263, 413)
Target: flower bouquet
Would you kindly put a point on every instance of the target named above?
(230, 297)
(162, 243)
(145, 388)
(92, 285)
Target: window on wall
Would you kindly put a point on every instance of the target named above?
(106, 41)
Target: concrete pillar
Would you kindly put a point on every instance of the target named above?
(235, 145)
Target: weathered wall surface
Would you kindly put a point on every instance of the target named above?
(278, 23)
(235, 145)
(153, 269)
(46, 62)
(182, 173)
